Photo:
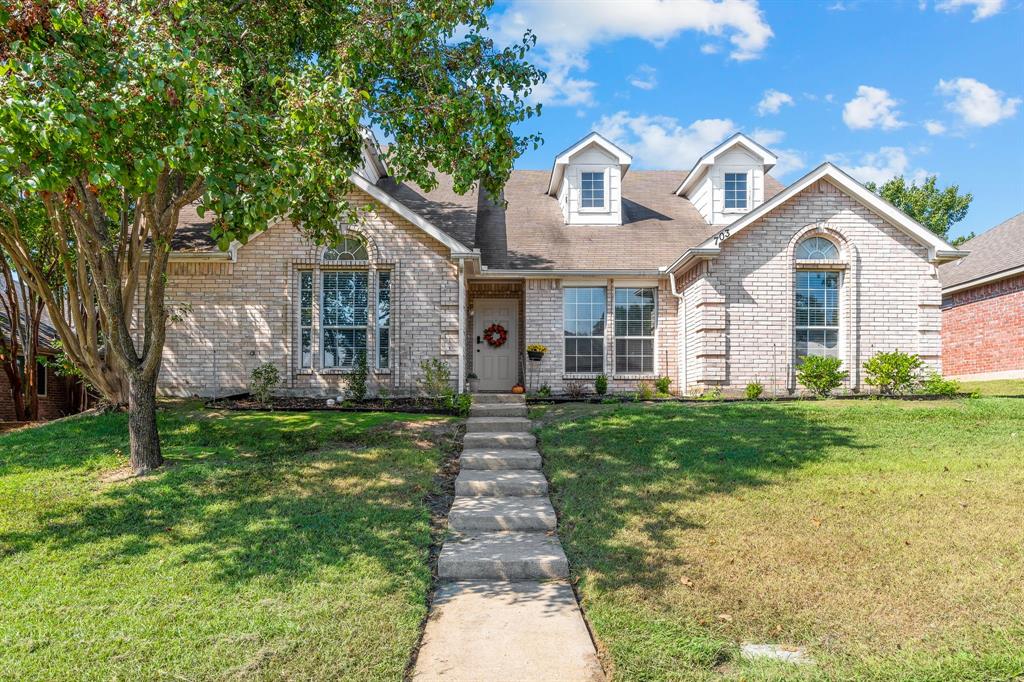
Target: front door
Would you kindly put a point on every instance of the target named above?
(496, 367)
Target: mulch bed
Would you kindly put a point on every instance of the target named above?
(629, 398)
(297, 404)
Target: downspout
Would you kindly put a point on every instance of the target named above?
(680, 361)
(462, 325)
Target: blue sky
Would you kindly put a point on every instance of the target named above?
(880, 88)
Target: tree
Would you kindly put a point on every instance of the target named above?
(118, 114)
(936, 209)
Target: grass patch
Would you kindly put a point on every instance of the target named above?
(887, 537)
(276, 546)
(998, 387)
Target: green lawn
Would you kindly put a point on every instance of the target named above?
(277, 546)
(887, 537)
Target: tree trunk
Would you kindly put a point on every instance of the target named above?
(142, 433)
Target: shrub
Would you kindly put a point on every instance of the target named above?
(544, 391)
(754, 390)
(436, 380)
(662, 384)
(644, 390)
(458, 403)
(936, 384)
(574, 389)
(893, 373)
(356, 388)
(263, 380)
(711, 394)
(821, 375)
(601, 384)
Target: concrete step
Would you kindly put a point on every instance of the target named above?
(495, 459)
(498, 425)
(499, 399)
(470, 514)
(509, 483)
(503, 441)
(498, 410)
(502, 556)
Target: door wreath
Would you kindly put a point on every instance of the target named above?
(495, 336)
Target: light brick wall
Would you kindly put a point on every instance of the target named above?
(983, 330)
(890, 296)
(236, 316)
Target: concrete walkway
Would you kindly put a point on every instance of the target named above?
(505, 611)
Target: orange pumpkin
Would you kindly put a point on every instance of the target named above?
(518, 388)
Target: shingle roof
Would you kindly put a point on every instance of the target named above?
(530, 233)
(47, 333)
(991, 252)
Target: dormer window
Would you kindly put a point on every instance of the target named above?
(592, 190)
(736, 191)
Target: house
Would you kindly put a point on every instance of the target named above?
(715, 277)
(59, 395)
(983, 306)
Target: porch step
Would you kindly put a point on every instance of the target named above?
(504, 441)
(497, 425)
(502, 556)
(470, 514)
(498, 459)
(509, 483)
(498, 410)
(499, 399)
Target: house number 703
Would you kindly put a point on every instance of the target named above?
(721, 236)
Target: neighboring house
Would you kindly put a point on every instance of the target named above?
(983, 306)
(58, 396)
(714, 277)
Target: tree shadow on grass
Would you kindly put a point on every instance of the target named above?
(625, 471)
(274, 497)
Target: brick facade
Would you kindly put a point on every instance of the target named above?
(740, 306)
(983, 330)
(235, 316)
(58, 401)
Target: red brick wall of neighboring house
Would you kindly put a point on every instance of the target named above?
(58, 401)
(983, 329)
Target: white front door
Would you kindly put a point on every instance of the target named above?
(495, 367)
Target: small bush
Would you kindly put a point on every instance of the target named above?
(821, 375)
(263, 380)
(894, 373)
(711, 394)
(356, 388)
(936, 384)
(544, 391)
(644, 390)
(574, 389)
(601, 384)
(754, 390)
(458, 403)
(436, 380)
(662, 384)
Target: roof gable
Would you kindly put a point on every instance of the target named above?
(760, 153)
(617, 154)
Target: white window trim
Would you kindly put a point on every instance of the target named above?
(738, 171)
(341, 369)
(566, 374)
(840, 308)
(623, 374)
(606, 208)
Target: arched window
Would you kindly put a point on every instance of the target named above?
(816, 248)
(350, 248)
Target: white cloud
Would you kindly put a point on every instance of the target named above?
(568, 29)
(661, 141)
(645, 77)
(772, 101)
(880, 166)
(872, 108)
(934, 127)
(976, 103)
(709, 48)
(983, 9)
(790, 160)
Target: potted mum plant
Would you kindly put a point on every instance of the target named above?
(536, 351)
